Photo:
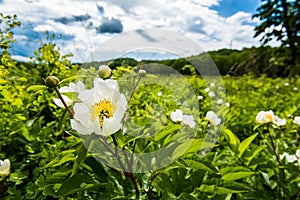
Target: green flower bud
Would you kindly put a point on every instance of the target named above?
(51, 81)
(104, 71)
(142, 72)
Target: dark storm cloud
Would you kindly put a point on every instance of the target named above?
(110, 26)
(75, 18)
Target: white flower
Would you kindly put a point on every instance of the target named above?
(265, 117)
(289, 158)
(227, 104)
(212, 84)
(101, 110)
(206, 89)
(297, 120)
(59, 103)
(72, 88)
(213, 118)
(199, 98)
(159, 94)
(286, 84)
(76, 88)
(219, 101)
(177, 116)
(295, 88)
(4, 167)
(211, 94)
(278, 121)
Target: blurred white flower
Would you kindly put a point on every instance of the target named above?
(213, 84)
(59, 103)
(212, 94)
(177, 116)
(72, 88)
(286, 84)
(206, 89)
(265, 117)
(227, 104)
(295, 88)
(220, 88)
(289, 158)
(219, 101)
(102, 109)
(76, 88)
(4, 167)
(297, 120)
(213, 118)
(199, 98)
(159, 94)
(278, 121)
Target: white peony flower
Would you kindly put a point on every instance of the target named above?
(72, 88)
(4, 167)
(102, 109)
(213, 84)
(278, 121)
(297, 120)
(227, 104)
(59, 103)
(159, 94)
(76, 88)
(213, 118)
(265, 117)
(206, 89)
(177, 116)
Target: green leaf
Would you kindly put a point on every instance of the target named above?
(200, 165)
(214, 189)
(36, 88)
(76, 183)
(236, 175)
(233, 141)
(245, 143)
(188, 146)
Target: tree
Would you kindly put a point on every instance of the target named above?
(280, 20)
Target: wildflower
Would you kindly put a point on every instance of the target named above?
(4, 167)
(72, 88)
(212, 84)
(177, 116)
(295, 88)
(278, 121)
(206, 89)
(211, 94)
(213, 118)
(297, 120)
(289, 158)
(59, 103)
(286, 84)
(199, 98)
(219, 101)
(227, 104)
(104, 71)
(265, 117)
(159, 94)
(101, 110)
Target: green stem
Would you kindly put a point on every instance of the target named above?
(279, 162)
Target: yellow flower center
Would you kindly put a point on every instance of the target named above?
(269, 117)
(102, 109)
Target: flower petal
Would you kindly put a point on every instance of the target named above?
(76, 125)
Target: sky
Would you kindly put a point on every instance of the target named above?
(81, 26)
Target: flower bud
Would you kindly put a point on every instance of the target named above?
(104, 71)
(142, 72)
(51, 81)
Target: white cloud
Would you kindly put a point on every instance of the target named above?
(193, 18)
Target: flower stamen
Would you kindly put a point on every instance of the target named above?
(102, 109)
